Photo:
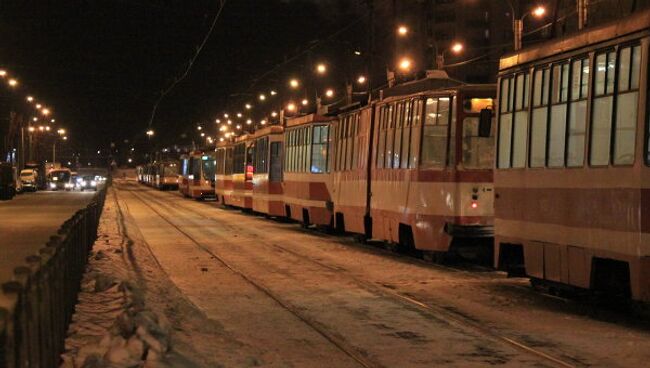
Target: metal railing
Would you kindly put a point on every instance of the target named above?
(36, 307)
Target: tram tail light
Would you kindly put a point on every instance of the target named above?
(249, 172)
(474, 205)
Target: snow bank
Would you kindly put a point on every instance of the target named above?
(112, 326)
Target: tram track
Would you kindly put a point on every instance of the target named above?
(316, 326)
(433, 310)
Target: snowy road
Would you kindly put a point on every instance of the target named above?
(241, 290)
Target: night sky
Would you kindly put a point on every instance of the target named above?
(102, 64)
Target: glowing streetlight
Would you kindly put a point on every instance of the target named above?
(239, 115)
(65, 138)
(34, 118)
(13, 82)
(38, 106)
(220, 139)
(402, 30)
(361, 79)
(262, 97)
(47, 128)
(329, 93)
(202, 134)
(539, 11)
(225, 116)
(321, 68)
(291, 107)
(249, 122)
(274, 114)
(30, 99)
(45, 111)
(294, 83)
(305, 102)
(273, 93)
(199, 127)
(150, 132)
(218, 121)
(248, 106)
(31, 129)
(229, 122)
(263, 122)
(238, 126)
(41, 128)
(457, 48)
(61, 131)
(405, 64)
(3, 73)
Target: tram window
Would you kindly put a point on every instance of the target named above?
(627, 105)
(319, 149)
(557, 130)
(185, 168)
(601, 126)
(478, 152)
(399, 127)
(578, 113)
(406, 136)
(208, 167)
(520, 133)
(415, 133)
(381, 135)
(541, 83)
(434, 132)
(451, 157)
(307, 149)
(355, 141)
(229, 158)
(261, 154)
(275, 172)
(390, 135)
(340, 147)
(505, 123)
(349, 148)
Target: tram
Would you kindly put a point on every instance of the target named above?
(572, 173)
(165, 175)
(197, 175)
(235, 181)
(306, 171)
(267, 191)
(431, 167)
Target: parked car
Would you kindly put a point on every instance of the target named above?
(29, 179)
(7, 181)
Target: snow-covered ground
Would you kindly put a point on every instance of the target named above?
(178, 283)
(113, 325)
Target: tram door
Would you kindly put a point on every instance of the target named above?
(275, 174)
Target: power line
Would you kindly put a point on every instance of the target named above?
(180, 78)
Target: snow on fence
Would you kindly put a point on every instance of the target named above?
(37, 305)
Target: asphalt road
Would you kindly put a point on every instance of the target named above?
(27, 222)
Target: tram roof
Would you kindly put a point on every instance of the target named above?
(308, 119)
(634, 23)
(270, 129)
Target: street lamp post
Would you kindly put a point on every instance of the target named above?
(518, 22)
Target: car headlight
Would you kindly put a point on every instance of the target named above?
(52, 185)
(93, 183)
(83, 183)
(68, 185)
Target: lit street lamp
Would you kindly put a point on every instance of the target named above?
(518, 23)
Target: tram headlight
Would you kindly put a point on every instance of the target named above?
(93, 183)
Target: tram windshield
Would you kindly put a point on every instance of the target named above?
(171, 170)
(208, 164)
(478, 152)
